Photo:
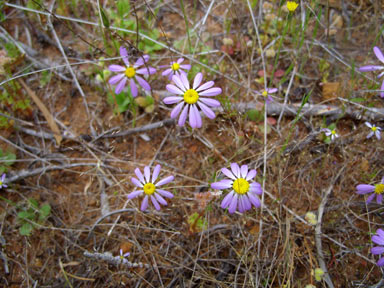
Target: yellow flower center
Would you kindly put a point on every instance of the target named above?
(191, 96)
(175, 66)
(149, 189)
(130, 72)
(374, 128)
(265, 93)
(333, 132)
(1, 183)
(379, 188)
(292, 5)
(241, 186)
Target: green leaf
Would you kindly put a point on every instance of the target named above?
(26, 215)
(45, 210)
(104, 18)
(255, 115)
(358, 99)
(33, 202)
(123, 8)
(26, 229)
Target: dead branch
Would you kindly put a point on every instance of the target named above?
(115, 260)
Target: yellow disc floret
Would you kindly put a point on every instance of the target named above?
(175, 66)
(292, 5)
(130, 72)
(149, 189)
(333, 132)
(374, 128)
(191, 96)
(265, 93)
(379, 188)
(241, 186)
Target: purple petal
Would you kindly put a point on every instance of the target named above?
(382, 180)
(136, 182)
(147, 174)
(244, 171)
(144, 204)
(142, 59)
(382, 88)
(197, 115)
(160, 199)
(172, 100)
(206, 110)
(180, 60)
(210, 102)
(197, 80)
(205, 86)
(370, 198)
(271, 90)
(211, 92)
(233, 205)
(124, 55)
(379, 198)
(228, 173)
(378, 54)
(185, 66)
(240, 202)
(192, 117)
(167, 72)
(185, 81)
(377, 250)
(116, 68)
(255, 188)
(370, 134)
(183, 116)
(155, 203)
(179, 83)
(368, 124)
(251, 174)
(155, 173)
(246, 202)
(143, 83)
(120, 86)
(139, 175)
(380, 262)
(3, 177)
(223, 184)
(370, 68)
(165, 193)
(113, 80)
(235, 170)
(254, 200)
(378, 239)
(380, 232)
(173, 89)
(146, 71)
(133, 86)
(364, 188)
(176, 111)
(227, 199)
(377, 133)
(165, 181)
(134, 194)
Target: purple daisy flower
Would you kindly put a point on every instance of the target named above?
(378, 239)
(266, 94)
(377, 190)
(190, 99)
(150, 188)
(129, 73)
(122, 256)
(2, 185)
(374, 131)
(329, 132)
(243, 194)
(368, 68)
(176, 68)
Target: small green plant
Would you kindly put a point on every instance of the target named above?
(31, 215)
(123, 101)
(6, 160)
(197, 222)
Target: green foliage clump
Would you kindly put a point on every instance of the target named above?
(32, 215)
